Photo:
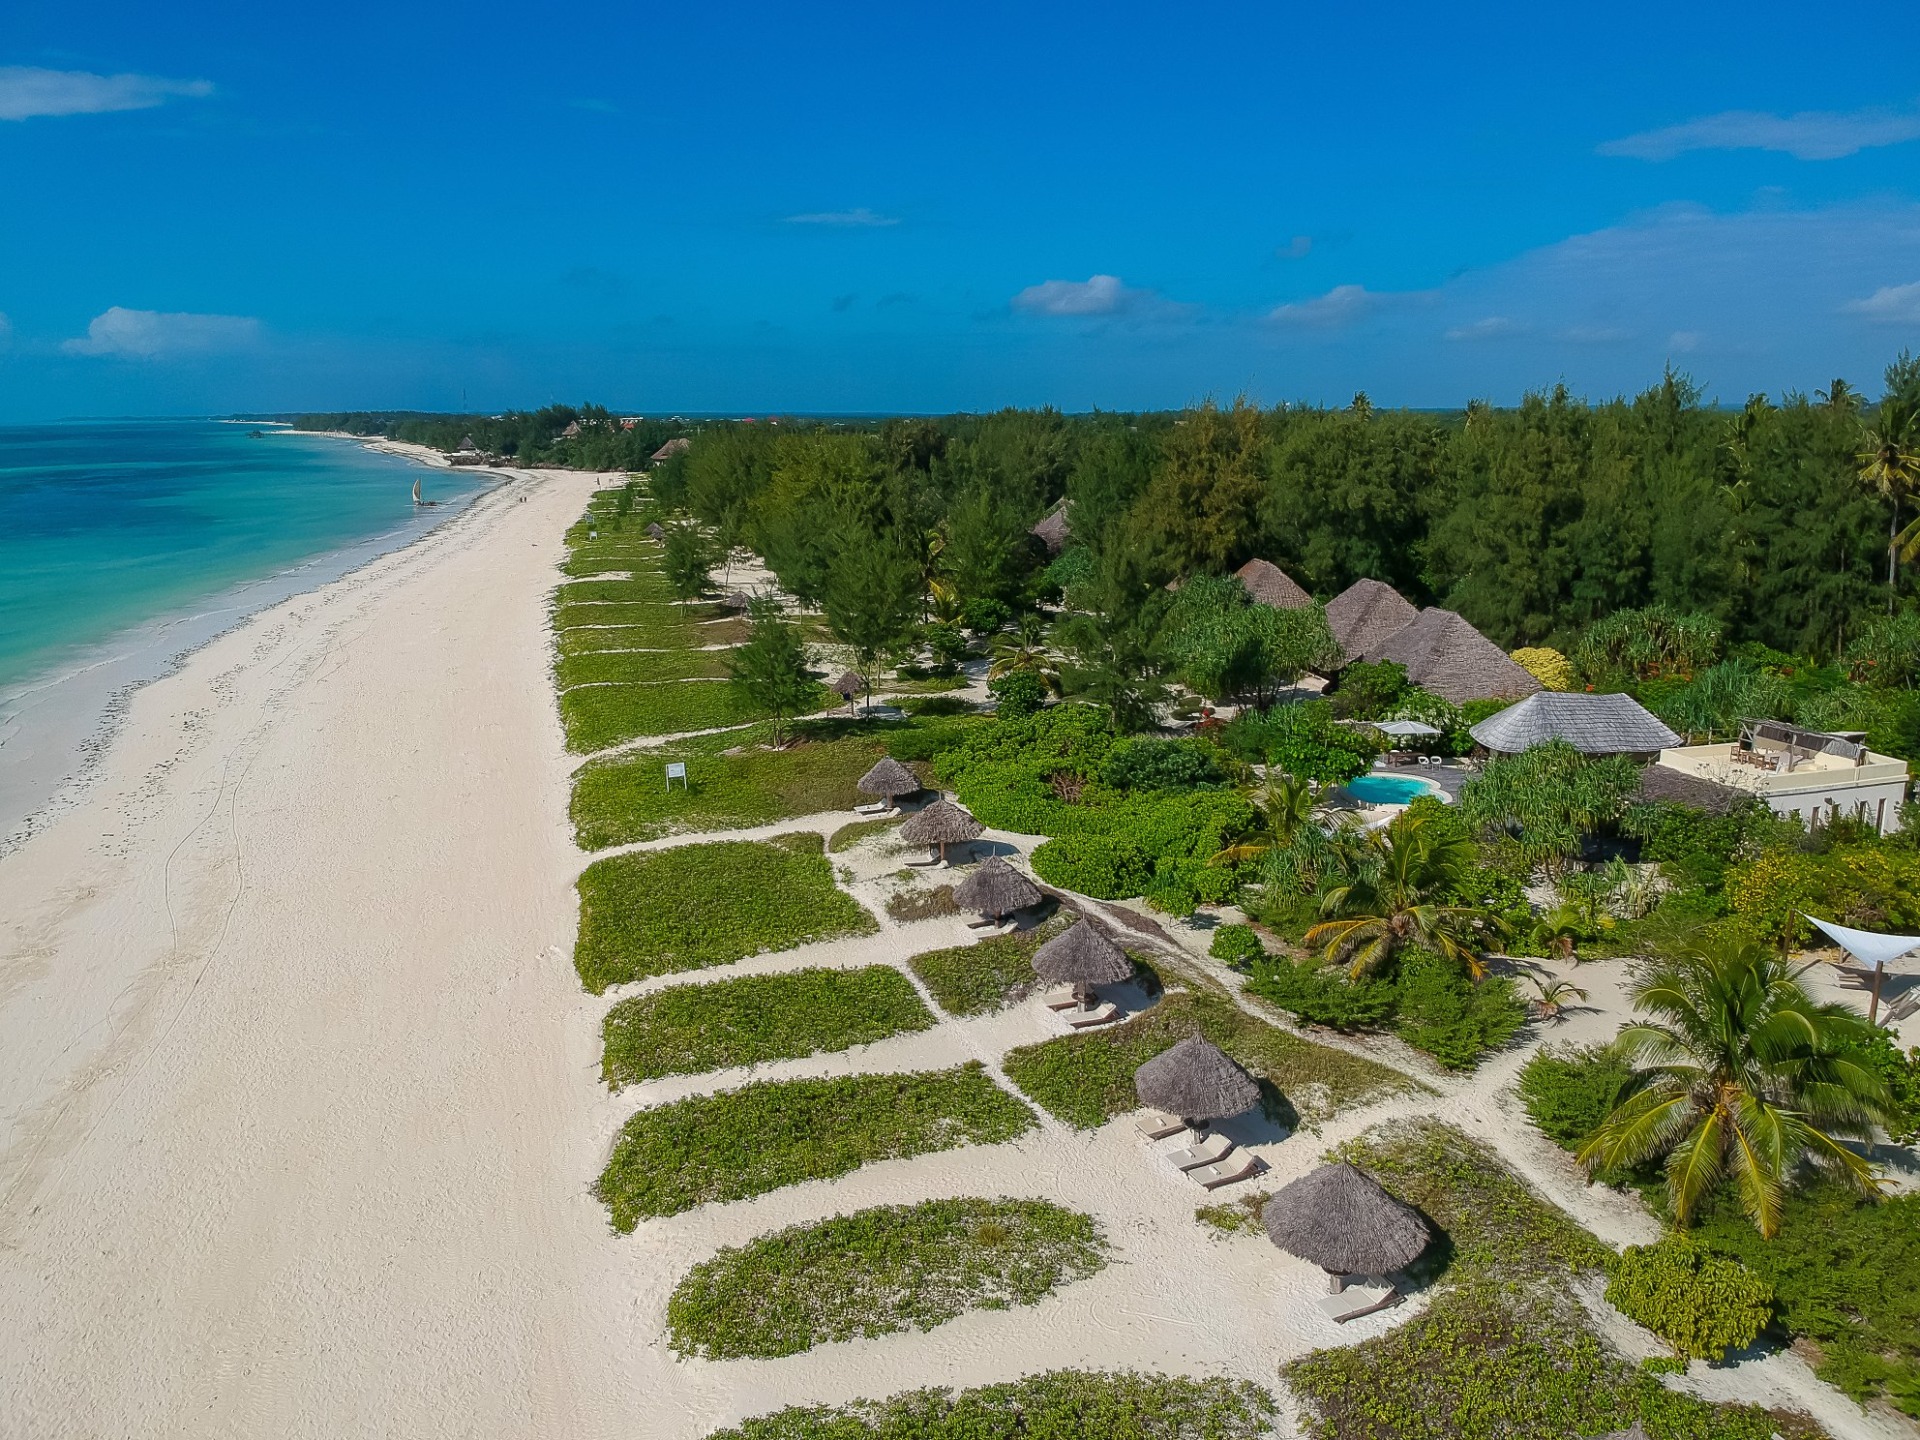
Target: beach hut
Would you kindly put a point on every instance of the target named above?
(890, 780)
(847, 687)
(1340, 1219)
(672, 448)
(941, 824)
(1269, 585)
(737, 600)
(655, 531)
(1197, 1081)
(1446, 655)
(1054, 531)
(1592, 724)
(1366, 614)
(995, 890)
(1082, 957)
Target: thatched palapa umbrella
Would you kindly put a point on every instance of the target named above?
(1198, 1081)
(996, 890)
(941, 824)
(737, 600)
(1083, 958)
(1339, 1218)
(848, 686)
(654, 531)
(889, 780)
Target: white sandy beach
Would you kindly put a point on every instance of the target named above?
(300, 1103)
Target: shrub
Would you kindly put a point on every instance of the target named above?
(1240, 1216)
(598, 717)
(1087, 1079)
(936, 706)
(1304, 740)
(654, 912)
(1700, 1303)
(1369, 689)
(1569, 1091)
(1020, 693)
(744, 1142)
(1237, 945)
(690, 1028)
(1453, 1018)
(984, 616)
(915, 903)
(1323, 995)
(1901, 1073)
(1057, 1405)
(1871, 885)
(1552, 669)
(985, 976)
(1106, 867)
(1147, 764)
(877, 1272)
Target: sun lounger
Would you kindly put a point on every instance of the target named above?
(1225, 1172)
(1061, 1000)
(878, 807)
(1357, 1300)
(1085, 1019)
(1158, 1125)
(985, 922)
(1214, 1147)
(923, 864)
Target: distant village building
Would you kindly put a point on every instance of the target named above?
(627, 422)
(469, 454)
(1269, 585)
(1592, 724)
(572, 430)
(1816, 775)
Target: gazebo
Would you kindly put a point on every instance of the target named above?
(996, 890)
(847, 687)
(1339, 1218)
(1198, 1081)
(1082, 957)
(1592, 724)
(941, 824)
(890, 780)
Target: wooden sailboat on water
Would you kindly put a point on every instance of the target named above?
(416, 495)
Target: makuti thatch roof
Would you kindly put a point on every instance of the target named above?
(673, 447)
(848, 686)
(1340, 1219)
(1364, 614)
(1446, 655)
(1196, 1080)
(996, 888)
(889, 778)
(941, 823)
(1592, 724)
(655, 531)
(1081, 955)
(736, 600)
(1662, 783)
(1268, 584)
(1054, 531)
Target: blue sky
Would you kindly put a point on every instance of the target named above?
(732, 207)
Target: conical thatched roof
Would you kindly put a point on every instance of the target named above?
(1592, 724)
(996, 888)
(1054, 531)
(889, 778)
(1196, 1080)
(1446, 655)
(941, 823)
(654, 531)
(1340, 1219)
(1081, 955)
(737, 600)
(1268, 584)
(848, 686)
(1365, 614)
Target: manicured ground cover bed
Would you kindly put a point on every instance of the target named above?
(987, 975)
(854, 831)
(661, 619)
(639, 667)
(1058, 1405)
(876, 1272)
(692, 1028)
(644, 585)
(607, 715)
(591, 639)
(1087, 1079)
(739, 1143)
(660, 911)
(618, 801)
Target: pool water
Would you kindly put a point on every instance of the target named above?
(1389, 789)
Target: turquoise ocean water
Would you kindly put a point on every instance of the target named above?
(125, 544)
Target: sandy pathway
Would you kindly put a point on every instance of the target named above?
(291, 1132)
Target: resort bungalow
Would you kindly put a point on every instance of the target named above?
(1442, 653)
(672, 448)
(1366, 614)
(1269, 585)
(1809, 773)
(1592, 724)
(1054, 530)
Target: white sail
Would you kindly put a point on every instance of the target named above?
(416, 490)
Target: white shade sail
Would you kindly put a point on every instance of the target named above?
(1865, 945)
(1404, 727)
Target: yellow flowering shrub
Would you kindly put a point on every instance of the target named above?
(1548, 666)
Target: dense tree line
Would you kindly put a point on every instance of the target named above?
(528, 437)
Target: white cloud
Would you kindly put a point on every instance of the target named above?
(1890, 304)
(1684, 342)
(155, 335)
(1809, 135)
(1096, 295)
(1298, 248)
(26, 92)
(1342, 305)
(1491, 327)
(861, 218)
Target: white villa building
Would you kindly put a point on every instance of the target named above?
(1808, 773)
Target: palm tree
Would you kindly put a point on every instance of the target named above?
(1024, 648)
(1742, 1072)
(1281, 811)
(1890, 463)
(1396, 900)
(1560, 930)
(1839, 397)
(1554, 997)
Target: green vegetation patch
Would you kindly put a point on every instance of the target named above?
(879, 1271)
(660, 911)
(987, 975)
(852, 833)
(605, 715)
(1059, 1405)
(621, 800)
(639, 666)
(1087, 1079)
(591, 638)
(656, 617)
(691, 1028)
(644, 585)
(1237, 1217)
(739, 1143)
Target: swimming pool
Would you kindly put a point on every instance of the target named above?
(1390, 789)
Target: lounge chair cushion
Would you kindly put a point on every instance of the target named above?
(1081, 1019)
(1355, 1301)
(1225, 1172)
(1214, 1147)
(1158, 1125)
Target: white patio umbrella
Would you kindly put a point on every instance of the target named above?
(1404, 727)
(1869, 949)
